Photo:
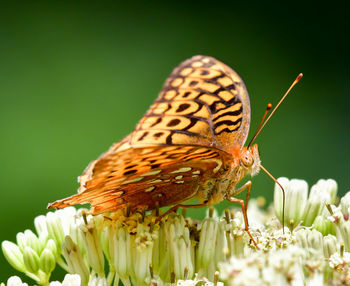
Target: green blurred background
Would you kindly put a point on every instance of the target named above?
(74, 78)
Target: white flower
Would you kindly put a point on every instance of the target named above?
(69, 280)
(336, 261)
(97, 281)
(40, 225)
(179, 243)
(345, 204)
(67, 216)
(74, 259)
(13, 255)
(141, 251)
(325, 188)
(15, 281)
(93, 247)
(196, 281)
(330, 245)
(296, 196)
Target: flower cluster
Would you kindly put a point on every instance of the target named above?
(312, 250)
(139, 249)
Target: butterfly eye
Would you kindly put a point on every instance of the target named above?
(247, 159)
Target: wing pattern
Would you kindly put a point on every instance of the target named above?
(181, 145)
(144, 178)
(203, 102)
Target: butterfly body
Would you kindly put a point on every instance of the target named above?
(188, 145)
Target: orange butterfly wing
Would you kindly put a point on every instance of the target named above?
(179, 146)
(203, 102)
(146, 177)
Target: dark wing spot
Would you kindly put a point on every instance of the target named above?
(204, 72)
(130, 172)
(186, 94)
(154, 166)
(157, 121)
(158, 134)
(183, 107)
(143, 135)
(193, 82)
(173, 122)
(130, 166)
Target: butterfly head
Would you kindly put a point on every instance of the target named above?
(250, 159)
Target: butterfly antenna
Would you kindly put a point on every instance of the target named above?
(283, 192)
(263, 123)
(268, 107)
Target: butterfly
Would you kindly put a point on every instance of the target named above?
(189, 144)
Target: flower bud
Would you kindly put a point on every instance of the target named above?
(311, 210)
(178, 237)
(51, 245)
(67, 216)
(344, 228)
(220, 243)
(329, 245)
(76, 235)
(55, 229)
(323, 225)
(104, 236)
(315, 239)
(47, 261)
(93, 248)
(142, 254)
(33, 241)
(302, 238)
(75, 260)
(296, 196)
(160, 255)
(31, 259)
(21, 241)
(40, 225)
(345, 204)
(207, 241)
(122, 260)
(13, 255)
(328, 187)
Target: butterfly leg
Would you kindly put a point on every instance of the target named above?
(174, 209)
(248, 186)
(244, 206)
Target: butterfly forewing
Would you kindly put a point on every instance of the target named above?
(203, 102)
(180, 145)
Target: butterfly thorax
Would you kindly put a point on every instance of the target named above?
(245, 161)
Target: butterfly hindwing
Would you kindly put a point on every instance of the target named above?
(147, 177)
